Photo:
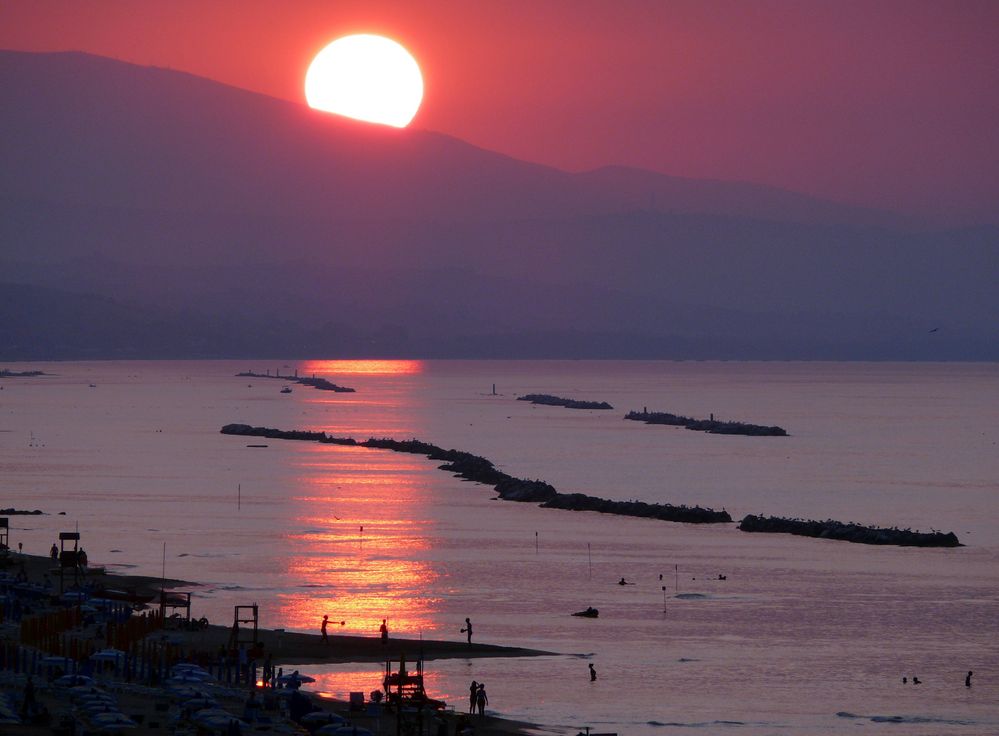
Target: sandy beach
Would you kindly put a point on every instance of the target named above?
(159, 707)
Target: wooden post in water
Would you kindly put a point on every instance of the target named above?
(589, 558)
(535, 543)
(239, 496)
(677, 582)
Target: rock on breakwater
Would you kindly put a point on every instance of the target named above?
(549, 400)
(481, 470)
(830, 529)
(711, 426)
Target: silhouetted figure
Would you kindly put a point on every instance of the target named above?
(54, 552)
(473, 690)
(622, 581)
(905, 680)
(722, 577)
(481, 699)
(326, 620)
(383, 629)
(916, 681)
(967, 678)
(593, 673)
(28, 706)
(468, 630)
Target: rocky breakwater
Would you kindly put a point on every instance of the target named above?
(481, 470)
(711, 426)
(848, 532)
(320, 383)
(549, 400)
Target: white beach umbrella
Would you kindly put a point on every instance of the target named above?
(108, 655)
(73, 681)
(325, 717)
(346, 731)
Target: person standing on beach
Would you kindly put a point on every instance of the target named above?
(481, 699)
(967, 679)
(383, 630)
(28, 707)
(473, 690)
(326, 620)
(468, 630)
(54, 552)
(593, 673)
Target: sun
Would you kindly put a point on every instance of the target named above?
(366, 77)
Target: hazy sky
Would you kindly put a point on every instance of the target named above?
(892, 104)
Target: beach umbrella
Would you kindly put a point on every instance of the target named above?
(345, 731)
(188, 677)
(73, 680)
(107, 655)
(323, 717)
(295, 679)
(201, 702)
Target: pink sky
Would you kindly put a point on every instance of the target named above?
(889, 104)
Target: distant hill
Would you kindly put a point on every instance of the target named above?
(280, 230)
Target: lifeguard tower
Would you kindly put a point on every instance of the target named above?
(4, 533)
(69, 559)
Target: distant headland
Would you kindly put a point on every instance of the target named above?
(320, 383)
(711, 426)
(5, 373)
(549, 400)
(481, 470)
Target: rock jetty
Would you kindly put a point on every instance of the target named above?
(711, 426)
(20, 512)
(549, 400)
(481, 470)
(320, 383)
(850, 532)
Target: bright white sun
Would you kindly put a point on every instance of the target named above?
(366, 77)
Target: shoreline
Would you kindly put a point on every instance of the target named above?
(284, 648)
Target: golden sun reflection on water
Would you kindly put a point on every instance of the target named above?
(344, 679)
(358, 555)
(361, 367)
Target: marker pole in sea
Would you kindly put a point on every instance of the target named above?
(664, 599)
(677, 582)
(536, 550)
(589, 559)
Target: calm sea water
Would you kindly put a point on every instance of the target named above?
(804, 636)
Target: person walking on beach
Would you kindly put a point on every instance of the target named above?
(54, 552)
(473, 690)
(468, 630)
(593, 673)
(326, 620)
(967, 678)
(383, 630)
(481, 699)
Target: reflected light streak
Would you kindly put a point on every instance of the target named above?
(356, 557)
(361, 367)
(339, 683)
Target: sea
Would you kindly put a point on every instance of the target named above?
(802, 636)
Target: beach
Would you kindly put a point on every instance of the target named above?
(162, 705)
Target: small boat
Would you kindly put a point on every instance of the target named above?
(590, 612)
(286, 390)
